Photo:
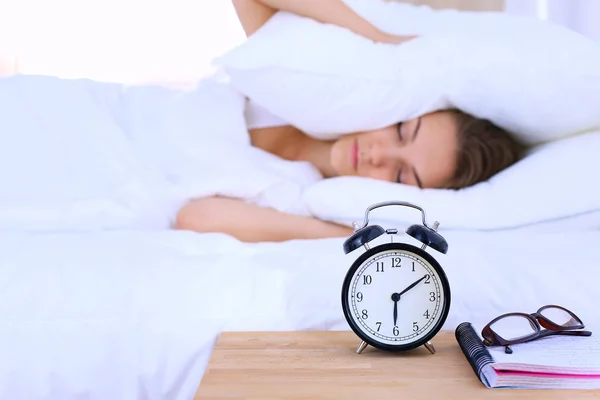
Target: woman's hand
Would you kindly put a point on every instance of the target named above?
(394, 39)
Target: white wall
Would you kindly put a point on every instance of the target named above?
(582, 16)
(117, 40)
(169, 40)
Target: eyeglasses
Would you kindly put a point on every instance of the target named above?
(513, 328)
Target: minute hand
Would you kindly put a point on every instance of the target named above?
(412, 285)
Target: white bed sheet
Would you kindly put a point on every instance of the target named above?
(135, 315)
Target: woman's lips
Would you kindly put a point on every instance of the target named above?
(354, 155)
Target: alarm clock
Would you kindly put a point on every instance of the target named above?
(395, 295)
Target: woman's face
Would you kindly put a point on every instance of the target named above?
(420, 152)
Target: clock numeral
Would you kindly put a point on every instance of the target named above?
(415, 327)
(379, 266)
(359, 297)
(367, 279)
(378, 326)
(426, 314)
(365, 314)
(395, 331)
(413, 266)
(431, 296)
(396, 262)
(428, 279)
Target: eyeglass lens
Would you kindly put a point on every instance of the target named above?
(560, 317)
(514, 327)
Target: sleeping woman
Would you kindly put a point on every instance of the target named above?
(445, 149)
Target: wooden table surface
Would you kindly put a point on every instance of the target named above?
(324, 365)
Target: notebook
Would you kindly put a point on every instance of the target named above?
(553, 362)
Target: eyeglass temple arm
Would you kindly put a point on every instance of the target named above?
(566, 333)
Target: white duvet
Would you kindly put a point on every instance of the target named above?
(85, 155)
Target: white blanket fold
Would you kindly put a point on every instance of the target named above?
(81, 155)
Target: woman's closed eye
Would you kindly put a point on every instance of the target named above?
(401, 137)
(400, 134)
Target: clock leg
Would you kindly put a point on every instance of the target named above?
(363, 345)
(429, 346)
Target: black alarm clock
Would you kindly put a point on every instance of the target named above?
(395, 296)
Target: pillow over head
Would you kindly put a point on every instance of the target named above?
(537, 80)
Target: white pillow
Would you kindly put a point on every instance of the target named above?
(556, 185)
(537, 80)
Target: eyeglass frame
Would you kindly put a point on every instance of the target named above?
(536, 319)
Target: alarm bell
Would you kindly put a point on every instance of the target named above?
(429, 237)
(362, 236)
(423, 233)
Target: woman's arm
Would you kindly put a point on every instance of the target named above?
(252, 223)
(254, 13)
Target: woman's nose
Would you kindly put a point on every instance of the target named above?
(380, 155)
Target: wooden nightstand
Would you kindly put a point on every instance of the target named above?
(323, 365)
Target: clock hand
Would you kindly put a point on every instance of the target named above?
(412, 285)
(395, 309)
(396, 297)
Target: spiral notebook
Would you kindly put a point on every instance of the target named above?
(554, 362)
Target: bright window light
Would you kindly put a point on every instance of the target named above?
(131, 41)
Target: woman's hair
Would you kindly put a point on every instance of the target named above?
(484, 149)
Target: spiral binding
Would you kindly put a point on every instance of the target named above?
(473, 348)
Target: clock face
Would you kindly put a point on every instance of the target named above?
(396, 296)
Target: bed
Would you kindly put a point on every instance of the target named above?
(135, 315)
